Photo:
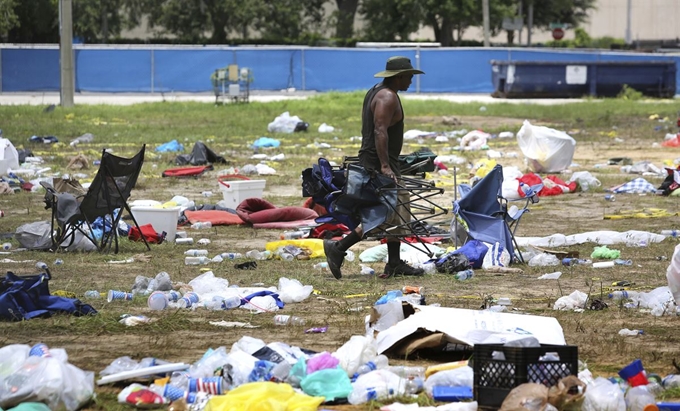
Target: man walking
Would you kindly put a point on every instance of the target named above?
(382, 130)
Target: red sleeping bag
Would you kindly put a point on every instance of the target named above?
(259, 211)
(186, 171)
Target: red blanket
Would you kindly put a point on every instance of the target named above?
(258, 211)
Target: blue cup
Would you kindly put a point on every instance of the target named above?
(118, 295)
(39, 350)
(173, 393)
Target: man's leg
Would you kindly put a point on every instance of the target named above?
(395, 265)
(335, 250)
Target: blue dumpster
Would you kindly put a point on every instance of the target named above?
(581, 78)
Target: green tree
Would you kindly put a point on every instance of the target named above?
(96, 21)
(38, 22)
(571, 12)
(344, 26)
(391, 20)
(290, 19)
(8, 18)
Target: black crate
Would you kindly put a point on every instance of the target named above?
(495, 377)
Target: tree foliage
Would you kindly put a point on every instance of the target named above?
(391, 20)
(8, 18)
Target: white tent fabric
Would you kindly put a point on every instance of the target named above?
(9, 158)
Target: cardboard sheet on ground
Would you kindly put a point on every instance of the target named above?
(462, 326)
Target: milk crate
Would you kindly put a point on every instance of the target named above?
(498, 369)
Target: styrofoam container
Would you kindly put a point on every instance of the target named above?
(162, 219)
(236, 191)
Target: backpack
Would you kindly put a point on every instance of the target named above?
(27, 297)
(452, 263)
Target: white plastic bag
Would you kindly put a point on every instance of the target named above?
(355, 352)
(285, 123)
(673, 275)
(543, 260)
(34, 236)
(585, 180)
(208, 283)
(292, 290)
(546, 150)
(603, 395)
(497, 256)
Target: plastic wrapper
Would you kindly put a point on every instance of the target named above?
(211, 361)
(330, 383)
(208, 283)
(355, 352)
(321, 361)
(376, 385)
(140, 396)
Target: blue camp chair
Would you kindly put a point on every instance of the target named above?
(483, 212)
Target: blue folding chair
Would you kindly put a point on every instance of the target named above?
(483, 212)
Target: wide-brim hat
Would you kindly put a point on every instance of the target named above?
(398, 65)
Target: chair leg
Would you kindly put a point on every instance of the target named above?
(136, 225)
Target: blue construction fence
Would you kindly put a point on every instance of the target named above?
(156, 69)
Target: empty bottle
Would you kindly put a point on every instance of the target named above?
(366, 270)
(92, 294)
(258, 255)
(622, 295)
(465, 274)
(670, 233)
(361, 394)
(626, 332)
(349, 255)
(288, 320)
(321, 266)
(414, 384)
(231, 256)
(637, 398)
(293, 235)
(201, 225)
(196, 260)
(196, 253)
(379, 362)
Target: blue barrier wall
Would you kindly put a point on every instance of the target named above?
(148, 69)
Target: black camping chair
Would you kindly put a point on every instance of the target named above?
(353, 196)
(106, 198)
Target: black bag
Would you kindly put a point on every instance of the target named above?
(452, 263)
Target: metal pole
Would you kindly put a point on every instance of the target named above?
(418, 67)
(629, 9)
(455, 198)
(530, 24)
(66, 53)
(485, 16)
(302, 69)
(521, 29)
(153, 69)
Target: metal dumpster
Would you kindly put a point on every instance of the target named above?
(543, 79)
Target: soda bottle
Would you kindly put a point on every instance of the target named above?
(465, 274)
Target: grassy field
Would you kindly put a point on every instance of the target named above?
(603, 129)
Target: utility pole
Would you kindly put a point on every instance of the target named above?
(530, 23)
(629, 36)
(520, 13)
(66, 53)
(485, 16)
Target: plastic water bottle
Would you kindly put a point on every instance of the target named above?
(201, 225)
(465, 274)
(231, 256)
(360, 394)
(670, 233)
(293, 235)
(223, 303)
(637, 398)
(258, 255)
(379, 362)
(627, 333)
(196, 253)
(622, 295)
(366, 270)
(288, 320)
(323, 266)
(92, 294)
(196, 260)
(349, 255)
(7, 246)
(671, 381)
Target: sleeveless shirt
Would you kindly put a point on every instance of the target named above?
(368, 154)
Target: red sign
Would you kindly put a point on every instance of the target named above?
(558, 33)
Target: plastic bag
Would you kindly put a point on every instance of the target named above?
(140, 396)
(543, 259)
(208, 283)
(585, 180)
(330, 383)
(285, 123)
(457, 377)
(321, 361)
(603, 395)
(292, 290)
(673, 275)
(263, 396)
(546, 150)
(34, 236)
(358, 350)
(376, 385)
(497, 256)
(577, 299)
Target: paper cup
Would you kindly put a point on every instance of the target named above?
(118, 295)
(39, 350)
(173, 393)
(210, 385)
(157, 301)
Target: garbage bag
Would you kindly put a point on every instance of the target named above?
(34, 236)
(546, 150)
(330, 383)
(263, 396)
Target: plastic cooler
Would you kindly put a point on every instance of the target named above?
(236, 188)
(498, 369)
(162, 219)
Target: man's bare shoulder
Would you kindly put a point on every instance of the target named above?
(387, 96)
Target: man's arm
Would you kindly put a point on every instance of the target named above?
(385, 105)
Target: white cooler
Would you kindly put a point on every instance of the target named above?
(235, 191)
(162, 219)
